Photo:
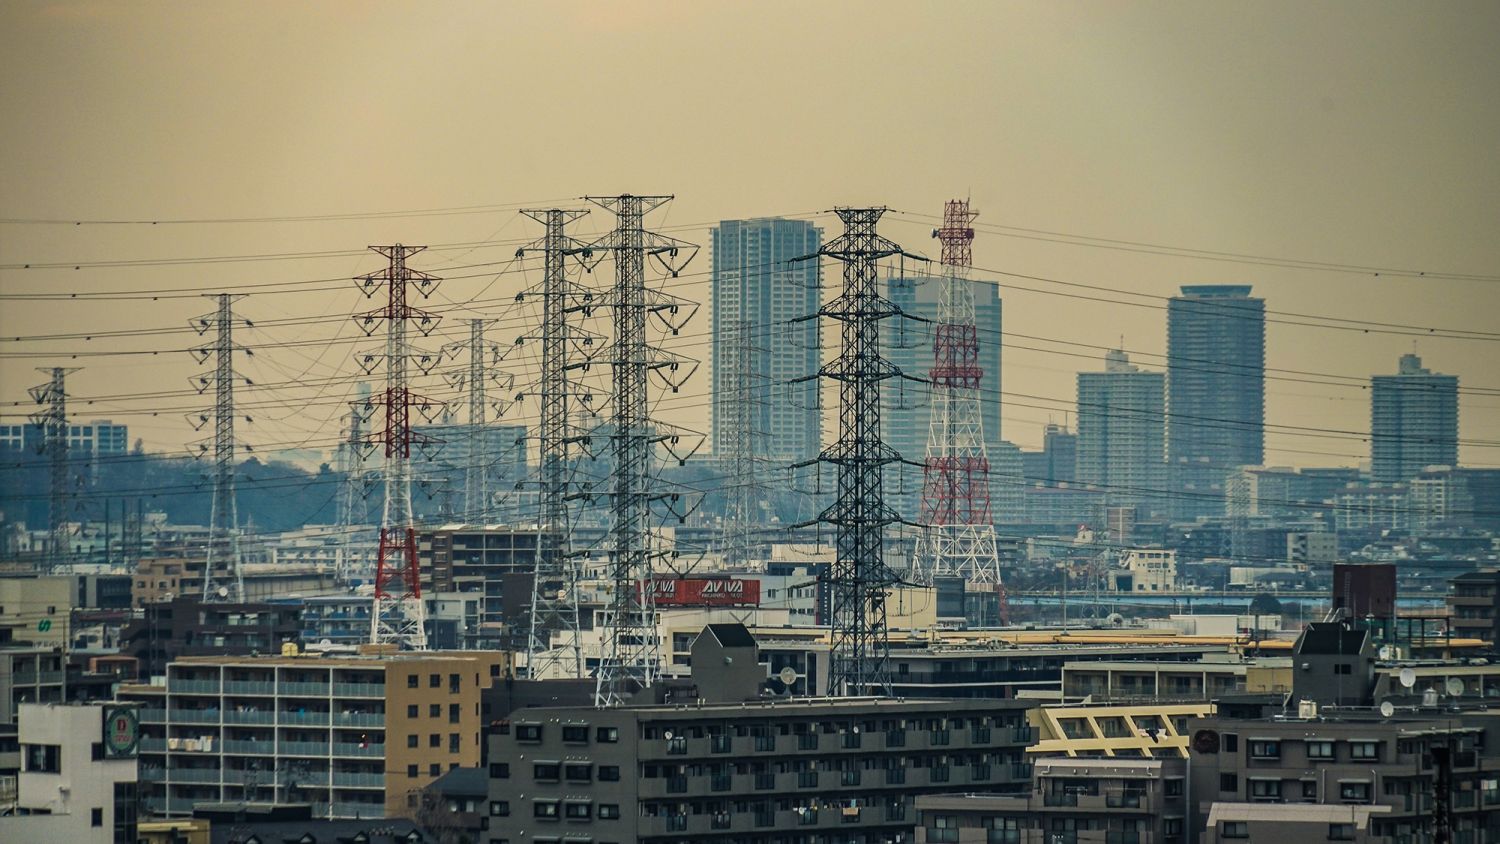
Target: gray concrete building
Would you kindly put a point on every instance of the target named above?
(1413, 422)
(1121, 433)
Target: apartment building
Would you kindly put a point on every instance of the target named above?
(1132, 731)
(78, 777)
(1153, 680)
(357, 737)
(1078, 801)
(795, 770)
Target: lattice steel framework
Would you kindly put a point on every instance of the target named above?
(54, 424)
(398, 615)
(859, 580)
(222, 577)
(565, 347)
(474, 380)
(744, 443)
(958, 539)
(630, 659)
(351, 495)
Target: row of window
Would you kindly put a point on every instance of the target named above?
(435, 710)
(1350, 791)
(571, 733)
(549, 771)
(435, 740)
(1265, 749)
(573, 810)
(1241, 829)
(435, 681)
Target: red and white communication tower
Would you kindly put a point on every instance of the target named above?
(398, 616)
(959, 537)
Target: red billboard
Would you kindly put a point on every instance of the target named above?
(702, 591)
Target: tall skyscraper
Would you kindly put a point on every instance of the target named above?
(1216, 391)
(1413, 422)
(1120, 433)
(754, 282)
(905, 412)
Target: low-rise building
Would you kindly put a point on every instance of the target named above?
(78, 775)
(1231, 823)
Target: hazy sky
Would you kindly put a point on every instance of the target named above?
(1347, 133)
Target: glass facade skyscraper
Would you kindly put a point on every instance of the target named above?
(1216, 391)
(1413, 422)
(755, 282)
(1120, 433)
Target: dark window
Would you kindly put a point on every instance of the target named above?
(544, 809)
(1265, 790)
(1173, 787)
(41, 758)
(500, 770)
(411, 740)
(1341, 832)
(96, 817)
(1320, 750)
(434, 680)
(1343, 668)
(96, 751)
(411, 771)
(609, 773)
(453, 684)
(1365, 751)
(454, 711)
(435, 710)
(435, 769)
(435, 740)
(1229, 782)
(411, 681)
(411, 710)
(500, 808)
(546, 771)
(609, 811)
(575, 733)
(453, 743)
(528, 732)
(1265, 749)
(1234, 829)
(1354, 792)
(1231, 743)
(607, 734)
(578, 811)
(578, 772)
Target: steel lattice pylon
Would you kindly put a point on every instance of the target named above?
(958, 539)
(860, 580)
(631, 657)
(473, 379)
(222, 577)
(744, 443)
(54, 424)
(351, 494)
(398, 615)
(554, 590)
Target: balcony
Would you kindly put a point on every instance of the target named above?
(153, 716)
(359, 690)
(1060, 799)
(895, 738)
(942, 835)
(979, 735)
(765, 744)
(153, 745)
(1023, 735)
(262, 688)
(1123, 800)
(1020, 770)
(194, 716)
(209, 776)
(310, 719)
(765, 782)
(289, 689)
(359, 719)
(358, 810)
(249, 748)
(37, 678)
(235, 716)
(807, 741)
(152, 773)
(303, 748)
(1002, 836)
(719, 782)
(1122, 836)
(677, 785)
(358, 780)
(807, 779)
(367, 751)
(194, 687)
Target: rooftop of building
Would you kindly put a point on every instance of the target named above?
(1216, 291)
(1294, 812)
(788, 707)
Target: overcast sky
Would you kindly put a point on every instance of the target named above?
(1343, 133)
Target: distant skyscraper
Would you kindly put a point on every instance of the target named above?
(1057, 463)
(753, 282)
(905, 409)
(1413, 422)
(1216, 390)
(1120, 436)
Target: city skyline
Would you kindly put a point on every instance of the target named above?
(1183, 120)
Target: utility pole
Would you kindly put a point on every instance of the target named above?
(565, 347)
(398, 615)
(859, 581)
(54, 424)
(631, 654)
(958, 539)
(223, 532)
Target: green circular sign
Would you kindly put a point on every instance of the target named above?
(122, 731)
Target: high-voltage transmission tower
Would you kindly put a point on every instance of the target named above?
(351, 493)
(222, 577)
(398, 616)
(473, 380)
(859, 580)
(958, 537)
(566, 346)
(743, 442)
(631, 656)
(54, 424)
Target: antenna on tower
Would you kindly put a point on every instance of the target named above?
(54, 424)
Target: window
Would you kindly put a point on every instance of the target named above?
(500, 770)
(1234, 829)
(1231, 741)
(453, 743)
(1320, 750)
(575, 733)
(96, 817)
(1265, 749)
(499, 808)
(434, 680)
(576, 811)
(453, 684)
(1354, 792)
(435, 770)
(546, 771)
(609, 773)
(1341, 832)
(41, 758)
(609, 811)
(1364, 750)
(1229, 782)
(1309, 791)
(546, 809)
(578, 772)
(435, 740)
(1173, 787)
(607, 734)
(435, 710)
(454, 711)
(1265, 790)
(411, 710)
(411, 740)
(1343, 668)
(528, 732)
(411, 771)
(411, 681)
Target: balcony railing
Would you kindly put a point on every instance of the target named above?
(195, 716)
(358, 690)
(303, 748)
(344, 748)
(303, 689)
(765, 782)
(358, 780)
(1124, 800)
(264, 688)
(194, 687)
(359, 719)
(234, 716)
(311, 719)
(252, 748)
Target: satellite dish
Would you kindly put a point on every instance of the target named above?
(1385, 651)
(1386, 709)
(1454, 687)
(667, 735)
(1407, 677)
(223, 592)
(787, 675)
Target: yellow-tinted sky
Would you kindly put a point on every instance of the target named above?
(1349, 133)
